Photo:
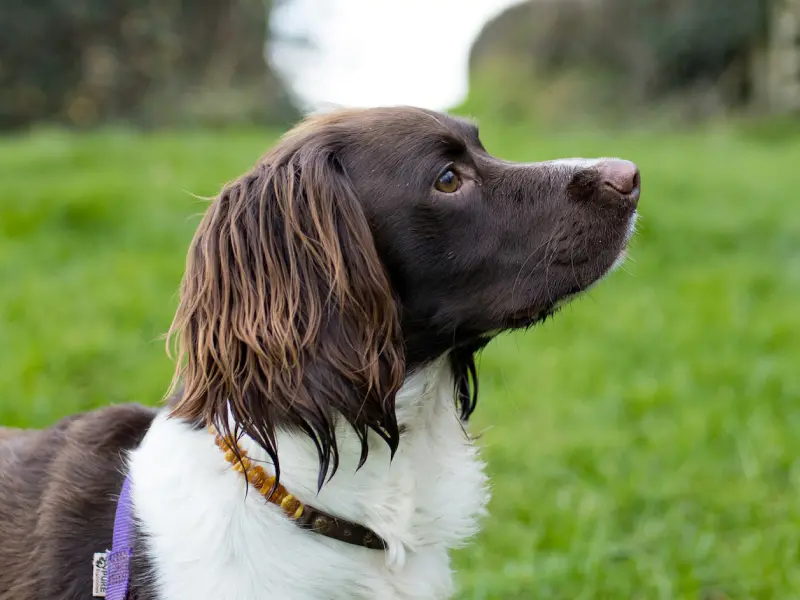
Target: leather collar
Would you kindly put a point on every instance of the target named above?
(340, 529)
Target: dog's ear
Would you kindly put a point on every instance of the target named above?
(286, 317)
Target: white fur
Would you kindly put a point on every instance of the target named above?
(208, 540)
(624, 252)
(573, 163)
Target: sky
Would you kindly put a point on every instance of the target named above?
(379, 52)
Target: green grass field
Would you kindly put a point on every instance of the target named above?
(644, 444)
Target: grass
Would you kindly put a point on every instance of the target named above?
(642, 445)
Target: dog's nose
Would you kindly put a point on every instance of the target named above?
(622, 176)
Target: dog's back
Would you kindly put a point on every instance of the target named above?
(6, 433)
(58, 491)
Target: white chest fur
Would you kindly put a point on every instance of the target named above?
(208, 540)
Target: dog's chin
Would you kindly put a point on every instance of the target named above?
(530, 317)
(526, 319)
(619, 259)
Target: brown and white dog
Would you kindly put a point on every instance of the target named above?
(333, 301)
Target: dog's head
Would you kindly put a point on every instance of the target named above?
(366, 244)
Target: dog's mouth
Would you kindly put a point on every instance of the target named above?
(530, 316)
(623, 253)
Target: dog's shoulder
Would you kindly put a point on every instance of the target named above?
(58, 491)
(24, 452)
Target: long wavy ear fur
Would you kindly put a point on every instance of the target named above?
(286, 317)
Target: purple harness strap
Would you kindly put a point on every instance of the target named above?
(118, 572)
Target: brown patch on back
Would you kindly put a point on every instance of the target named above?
(58, 491)
(6, 433)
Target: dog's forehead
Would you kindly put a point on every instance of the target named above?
(467, 128)
(371, 133)
(462, 128)
(402, 120)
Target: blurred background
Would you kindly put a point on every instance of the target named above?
(645, 443)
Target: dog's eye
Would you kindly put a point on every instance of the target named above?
(448, 182)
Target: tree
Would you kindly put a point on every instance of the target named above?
(150, 62)
(744, 53)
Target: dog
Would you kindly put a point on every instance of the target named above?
(314, 442)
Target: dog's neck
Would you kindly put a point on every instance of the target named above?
(205, 538)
